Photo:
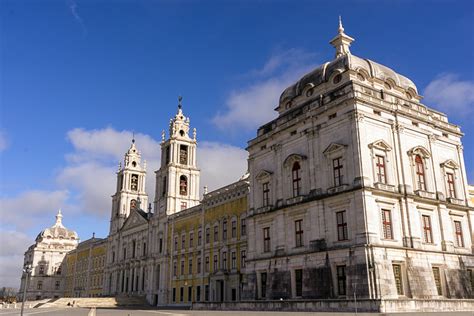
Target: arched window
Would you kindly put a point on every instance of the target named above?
(420, 173)
(133, 204)
(296, 175)
(183, 185)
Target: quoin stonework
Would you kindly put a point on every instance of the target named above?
(356, 196)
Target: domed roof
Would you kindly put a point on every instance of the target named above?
(57, 231)
(346, 61)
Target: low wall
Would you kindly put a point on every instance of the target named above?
(335, 305)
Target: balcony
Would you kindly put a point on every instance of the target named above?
(425, 194)
(294, 200)
(338, 189)
(264, 209)
(384, 187)
(455, 201)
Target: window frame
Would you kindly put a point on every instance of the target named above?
(427, 229)
(458, 234)
(296, 178)
(387, 225)
(299, 233)
(341, 222)
(266, 239)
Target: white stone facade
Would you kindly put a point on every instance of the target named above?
(45, 257)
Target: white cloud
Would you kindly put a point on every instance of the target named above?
(12, 247)
(3, 141)
(451, 95)
(30, 207)
(220, 164)
(252, 106)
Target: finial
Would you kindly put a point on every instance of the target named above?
(205, 189)
(149, 207)
(139, 201)
(119, 166)
(194, 133)
(93, 234)
(133, 137)
(59, 218)
(163, 135)
(180, 98)
(341, 28)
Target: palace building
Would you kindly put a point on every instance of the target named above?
(356, 197)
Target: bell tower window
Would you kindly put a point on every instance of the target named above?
(183, 154)
(133, 204)
(167, 155)
(134, 182)
(183, 185)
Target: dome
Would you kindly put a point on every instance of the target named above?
(346, 61)
(57, 231)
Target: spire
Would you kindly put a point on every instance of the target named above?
(59, 218)
(341, 42)
(180, 98)
(179, 125)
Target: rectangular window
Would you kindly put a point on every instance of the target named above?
(341, 225)
(41, 270)
(234, 229)
(144, 249)
(182, 267)
(199, 265)
(208, 235)
(427, 233)
(243, 227)
(216, 233)
(380, 167)
(263, 277)
(458, 231)
(224, 230)
(387, 224)
(299, 282)
(266, 239)
(198, 293)
(337, 171)
(266, 194)
(296, 177)
(174, 294)
(299, 233)
(199, 238)
(167, 155)
(224, 260)
(420, 173)
(184, 205)
(183, 154)
(215, 263)
(181, 294)
(57, 284)
(341, 280)
(175, 268)
(161, 245)
(190, 293)
(163, 191)
(243, 257)
(397, 274)
(437, 279)
(39, 285)
(191, 239)
(234, 260)
(207, 264)
(206, 293)
(190, 266)
(176, 243)
(451, 190)
(183, 242)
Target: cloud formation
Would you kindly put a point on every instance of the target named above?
(248, 108)
(73, 8)
(12, 247)
(450, 94)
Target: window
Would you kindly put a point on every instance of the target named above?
(243, 257)
(263, 279)
(183, 242)
(420, 173)
(427, 234)
(175, 243)
(208, 235)
(199, 237)
(207, 264)
(387, 224)
(470, 273)
(167, 155)
(299, 232)
(341, 280)
(243, 227)
(190, 266)
(190, 293)
(134, 246)
(183, 154)
(134, 182)
(215, 263)
(133, 204)
(296, 176)
(206, 293)
(341, 225)
(234, 294)
(183, 185)
(199, 265)
(380, 167)
(163, 191)
(337, 171)
(299, 282)
(198, 293)
(437, 279)
(397, 273)
(224, 260)
(161, 245)
(451, 190)
(182, 267)
(266, 239)
(266, 194)
(174, 294)
(234, 260)
(41, 270)
(57, 284)
(39, 286)
(191, 239)
(234, 229)
(181, 294)
(224, 229)
(124, 253)
(216, 233)
(458, 231)
(175, 268)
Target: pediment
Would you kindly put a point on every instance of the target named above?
(449, 164)
(380, 144)
(419, 150)
(263, 174)
(293, 158)
(334, 147)
(135, 219)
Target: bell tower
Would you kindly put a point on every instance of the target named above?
(177, 180)
(130, 192)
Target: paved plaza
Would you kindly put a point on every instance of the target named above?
(145, 312)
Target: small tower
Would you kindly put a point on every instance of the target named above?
(177, 180)
(341, 42)
(130, 188)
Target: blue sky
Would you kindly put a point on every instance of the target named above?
(77, 77)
